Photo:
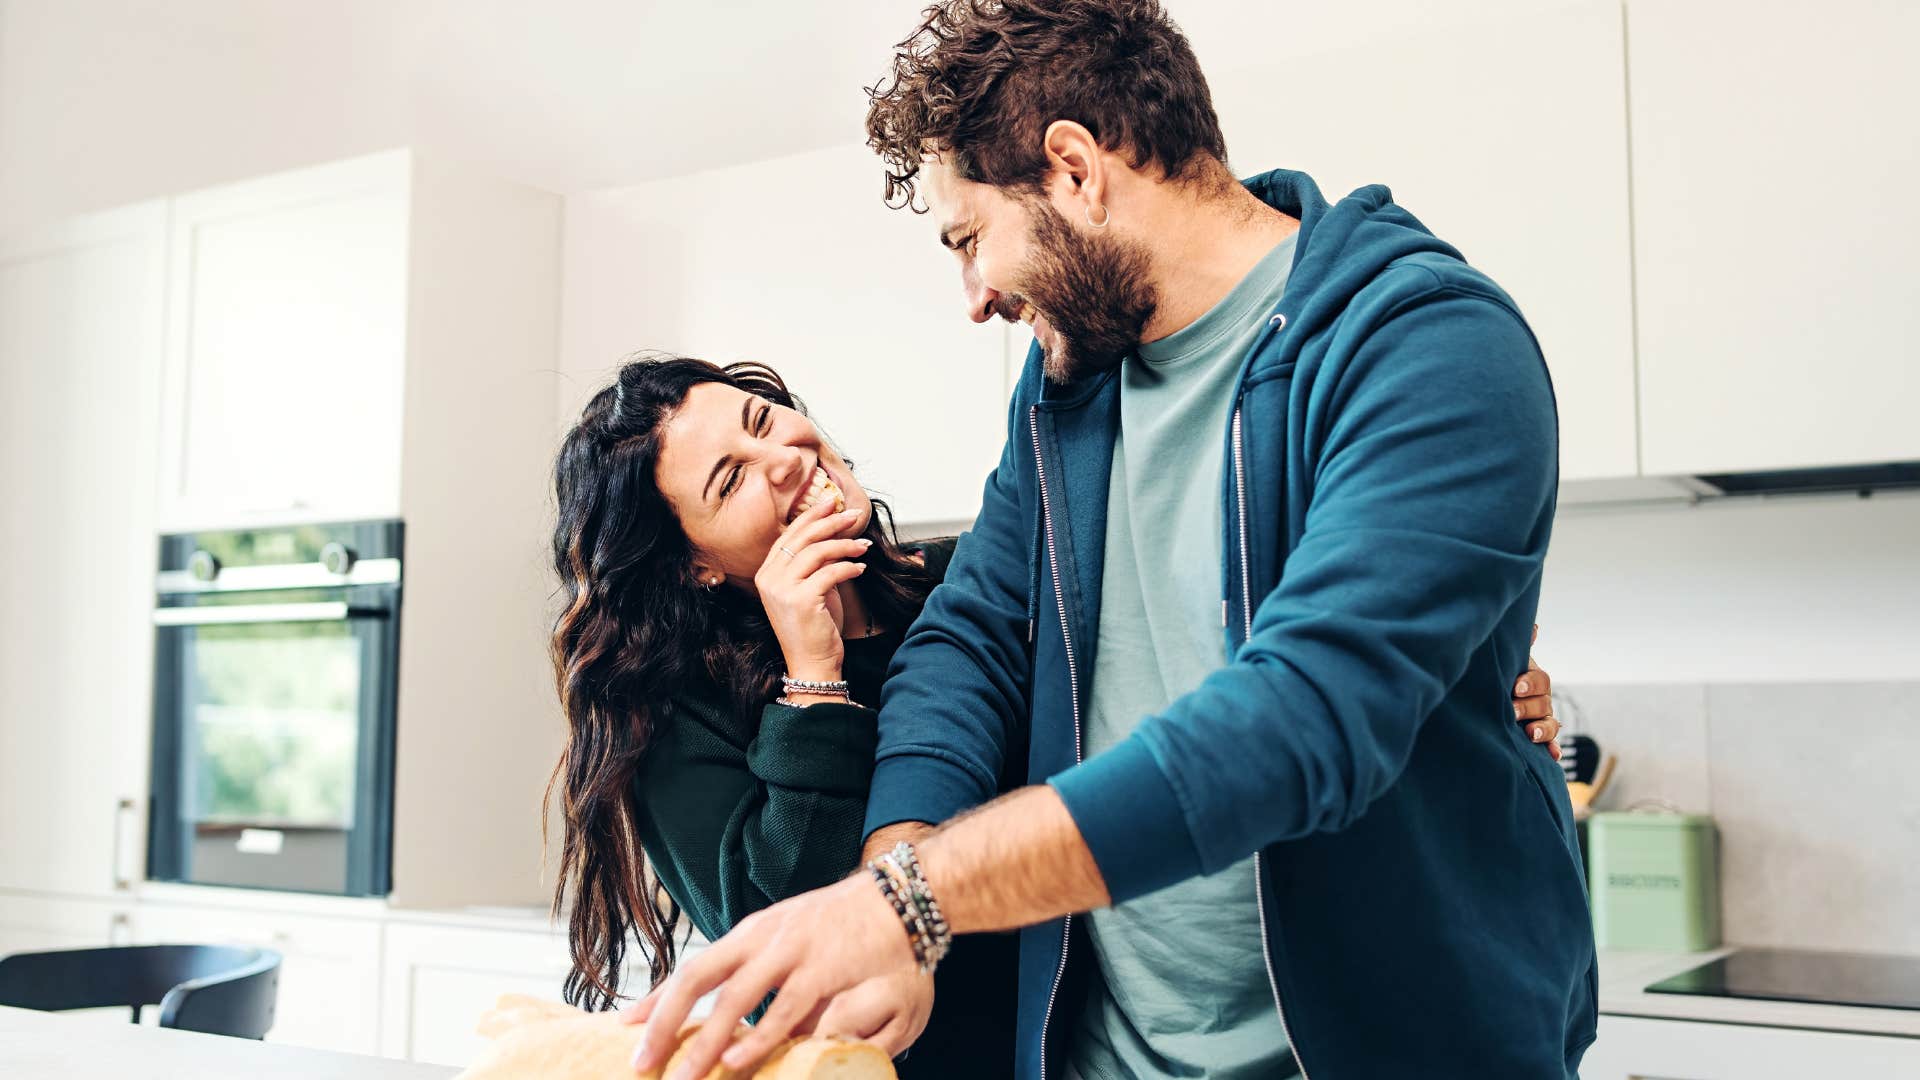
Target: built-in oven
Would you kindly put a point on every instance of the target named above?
(273, 720)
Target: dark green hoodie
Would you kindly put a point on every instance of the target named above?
(737, 813)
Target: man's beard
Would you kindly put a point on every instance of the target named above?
(1094, 290)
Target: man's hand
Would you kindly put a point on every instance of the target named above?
(811, 948)
(889, 1012)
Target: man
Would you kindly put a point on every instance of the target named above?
(1251, 580)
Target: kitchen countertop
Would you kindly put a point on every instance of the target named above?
(37, 1045)
(1624, 977)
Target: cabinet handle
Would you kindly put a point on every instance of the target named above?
(122, 881)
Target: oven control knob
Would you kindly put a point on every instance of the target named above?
(203, 565)
(338, 558)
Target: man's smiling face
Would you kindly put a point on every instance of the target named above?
(1086, 293)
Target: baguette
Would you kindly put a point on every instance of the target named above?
(547, 1040)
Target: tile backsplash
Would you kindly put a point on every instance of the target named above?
(1815, 789)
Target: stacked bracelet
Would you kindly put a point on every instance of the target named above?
(836, 688)
(905, 886)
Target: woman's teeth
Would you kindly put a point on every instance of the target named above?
(818, 488)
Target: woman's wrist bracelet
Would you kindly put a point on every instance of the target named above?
(806, 686)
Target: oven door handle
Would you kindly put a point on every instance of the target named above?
(224, 614)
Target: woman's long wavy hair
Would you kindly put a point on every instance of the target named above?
(636, 627)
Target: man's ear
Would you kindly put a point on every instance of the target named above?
(1076, 161)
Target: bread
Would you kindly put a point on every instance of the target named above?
(547, 1040)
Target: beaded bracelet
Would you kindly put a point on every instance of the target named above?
(916, 935)
(905, 886)
(904, 857)
(835, 686)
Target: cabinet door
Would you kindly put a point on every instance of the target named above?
(1636, 1048)
(440, 979)
(286, 345)
(80, 333)
(1507, 137)
(1775, 160)
(329, 994)
(34, 923)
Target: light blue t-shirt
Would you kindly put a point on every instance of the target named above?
(1183, 988)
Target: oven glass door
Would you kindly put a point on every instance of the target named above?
(272, 736)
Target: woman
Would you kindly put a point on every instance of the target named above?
(711, 541)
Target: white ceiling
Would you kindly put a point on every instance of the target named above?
(109, 101)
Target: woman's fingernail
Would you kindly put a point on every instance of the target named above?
(1521, 687)
(1539, 734)
(1516, 713)
(864, 542)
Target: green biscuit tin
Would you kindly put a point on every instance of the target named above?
(1655, 881)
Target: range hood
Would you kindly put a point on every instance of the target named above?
(1862, 480)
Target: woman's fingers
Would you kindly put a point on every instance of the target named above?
(1535, 683)
(817, 523)
(1544, 731)
(1538, 707)
(811, 558)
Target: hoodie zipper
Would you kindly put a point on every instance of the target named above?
(1246, 615)
(1073, 690)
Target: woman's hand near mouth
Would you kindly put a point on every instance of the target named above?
(799, 587)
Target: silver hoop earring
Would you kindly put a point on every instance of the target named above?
(1106, 215)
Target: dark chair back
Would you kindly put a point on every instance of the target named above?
(212, 988)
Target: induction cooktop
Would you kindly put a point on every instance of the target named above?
(1826, 978)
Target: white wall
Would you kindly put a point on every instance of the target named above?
(104, 102)
(797, 263)
(1810, 589)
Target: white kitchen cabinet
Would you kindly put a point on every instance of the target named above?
(34, 922)
(80, 332)
(1638, 1048)
(374, 338)
(286, 347)
(439, 979)
(329, 974)
(1506, 135)
(1775, 159)
(442, 974)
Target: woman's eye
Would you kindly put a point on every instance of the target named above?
(733, 480)
(766, 419)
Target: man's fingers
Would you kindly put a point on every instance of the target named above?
(855, 1013)
(792, 1005)
(894, 1037)
(638, 1012)
(673, 1000)
(744, 990)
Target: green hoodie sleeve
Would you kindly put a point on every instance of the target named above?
(735, 820)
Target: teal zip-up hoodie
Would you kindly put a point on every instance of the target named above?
(1388, 496)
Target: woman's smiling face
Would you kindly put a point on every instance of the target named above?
(737, 468)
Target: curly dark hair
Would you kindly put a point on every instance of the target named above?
(637, 627)
(980, 81)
